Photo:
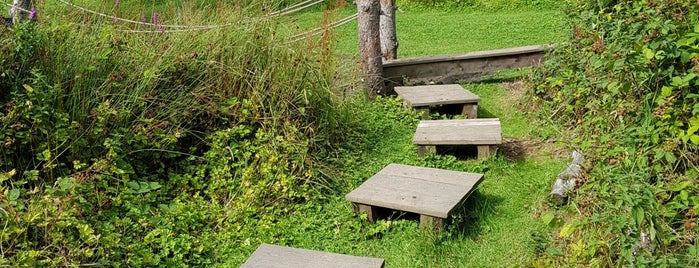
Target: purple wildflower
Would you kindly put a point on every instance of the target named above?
(116, 20)
(143, 19)
(155, 18)
(116, 3)
(160, 29)
(32, 14)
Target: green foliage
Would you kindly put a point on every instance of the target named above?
(627, 81)
(121, 149)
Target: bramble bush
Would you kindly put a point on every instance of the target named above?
(628, 82)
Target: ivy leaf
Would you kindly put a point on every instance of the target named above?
(65, 183)
(648, 53)
(14, 194)
(547, 218)
(666, 91)
(695, 139)
(154, 185)
(678, 81)
(133, 185)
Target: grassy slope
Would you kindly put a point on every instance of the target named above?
(497, 225)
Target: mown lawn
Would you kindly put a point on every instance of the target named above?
(435, 32)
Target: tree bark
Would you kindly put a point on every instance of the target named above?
(389, 40)
(16, 12)
(370, 46)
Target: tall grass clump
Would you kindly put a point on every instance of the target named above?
(160, 148)
(627, 82)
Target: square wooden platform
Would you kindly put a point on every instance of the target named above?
(482, 133)
(423, 98)
(271, 256)
(432, 193)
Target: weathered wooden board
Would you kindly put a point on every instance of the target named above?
(459, 132)
(271, 256)
(426, 191)
(433, 95)
(460, 67)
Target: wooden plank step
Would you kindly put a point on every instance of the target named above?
(422, 98)
(271, 256)
(432, 193)
(483, 133)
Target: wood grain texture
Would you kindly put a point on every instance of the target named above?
(462, 67)
(434, 95)
(458, 132)
(433, 223)
(425, 191)
(271, 256)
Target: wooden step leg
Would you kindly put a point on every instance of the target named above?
(483, 151)
(371, 211)
(425, 111)
(434, 223)
(424, 150)
(470, 110)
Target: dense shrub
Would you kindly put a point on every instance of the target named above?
(156, 149)
(628, 82)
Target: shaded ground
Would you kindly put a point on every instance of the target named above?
(516, 149)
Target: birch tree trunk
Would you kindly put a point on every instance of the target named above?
(16, 12)
(389, 40)
(370, 46)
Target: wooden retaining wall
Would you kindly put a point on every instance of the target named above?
(466, 67)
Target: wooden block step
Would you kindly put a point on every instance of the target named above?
(271, 256)
(483, 133)
(422, 98)
(432, 193)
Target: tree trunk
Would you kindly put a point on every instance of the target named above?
(370, 46)
(17, 12)
(389, 40)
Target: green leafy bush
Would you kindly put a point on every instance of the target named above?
(627, 81)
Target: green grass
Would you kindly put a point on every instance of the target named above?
(494, 229)
(434, 32)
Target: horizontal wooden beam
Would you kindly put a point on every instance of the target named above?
(460, 67)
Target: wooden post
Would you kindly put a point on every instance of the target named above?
(370, 46)
(389, 40)
(16, 11)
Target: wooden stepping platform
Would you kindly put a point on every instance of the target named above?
(271, 256)
(423, 98)
(432, 193)
(482, 133)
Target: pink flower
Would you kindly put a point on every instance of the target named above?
(32, 14)
(155, 18)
